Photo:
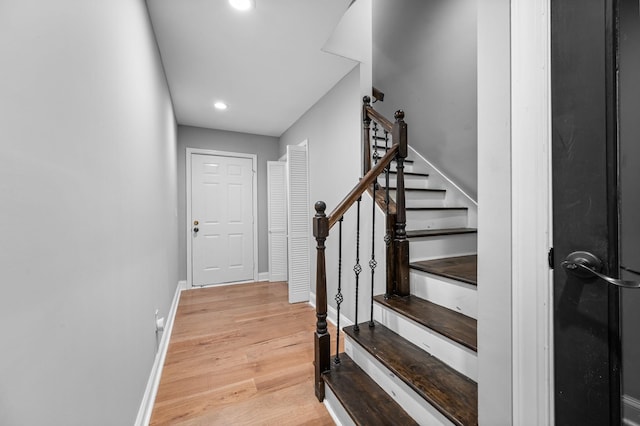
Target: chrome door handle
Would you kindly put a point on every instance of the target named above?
(585, 265)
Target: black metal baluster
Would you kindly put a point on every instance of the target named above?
(357, 268)
(372, 262)
(376, 156)
(388, 237)
(386, 172)
(339, 297)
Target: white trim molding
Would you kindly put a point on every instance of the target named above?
(263, 276)
(149, 397)
(254, 158)
(531, 213)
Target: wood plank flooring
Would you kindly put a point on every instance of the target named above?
(240, 355)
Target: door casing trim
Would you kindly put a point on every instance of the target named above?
(532, 279)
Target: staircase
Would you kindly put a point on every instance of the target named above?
(416, 363)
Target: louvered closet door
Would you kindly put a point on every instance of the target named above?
(299, 223)
(277, 182)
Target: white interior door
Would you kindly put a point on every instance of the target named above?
(277, 183)
(299, 223)
(222, 230)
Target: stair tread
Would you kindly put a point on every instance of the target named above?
(393, 172)
(451, 393)
(417, 233)
(361, 397)
(460, 268)
(454, 325)
(418, 189)
(436, 208)
(406, 160)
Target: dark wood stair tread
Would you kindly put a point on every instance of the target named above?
(437, 232)
(451, 393)
(437, 208)
(393, 172)
(454, 325)
(393, 188)
(460, 268)
(361, 397)
(381, 147)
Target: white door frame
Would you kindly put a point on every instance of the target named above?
(515, 326)
(532, 285)
(254, 159)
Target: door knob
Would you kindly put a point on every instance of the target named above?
(195, 229)
(586, 265)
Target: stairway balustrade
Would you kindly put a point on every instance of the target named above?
(395, 238)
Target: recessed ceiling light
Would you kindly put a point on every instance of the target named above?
(220, 105)
(243, 5)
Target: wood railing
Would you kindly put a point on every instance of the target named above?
(397, 252)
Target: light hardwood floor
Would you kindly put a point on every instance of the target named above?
(240, 355)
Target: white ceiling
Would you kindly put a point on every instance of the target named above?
(266, 64)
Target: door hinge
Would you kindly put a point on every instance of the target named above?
(550, 258)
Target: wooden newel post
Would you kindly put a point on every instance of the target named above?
(321, 336)
(391, 254)
(399, 133)
(366, 136)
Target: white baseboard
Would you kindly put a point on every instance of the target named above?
(630, 411)
(221, 284)
(263, 276)
(146, 406)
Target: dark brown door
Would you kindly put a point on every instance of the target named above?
(595, 194)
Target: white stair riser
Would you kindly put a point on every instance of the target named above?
(410, 181)
(458, 357)
(408, 167)
(455, 295)
(335, 409)
(421, 198)
(436, 219)
(425, 248)
(421, 411)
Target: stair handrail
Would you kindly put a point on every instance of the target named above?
(374, 114)
(399, 246)
(369, 114)
(366, 181)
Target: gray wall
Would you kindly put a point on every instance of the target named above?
(332, 129)
(424, 60)
(264, 147)
(88, 195)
